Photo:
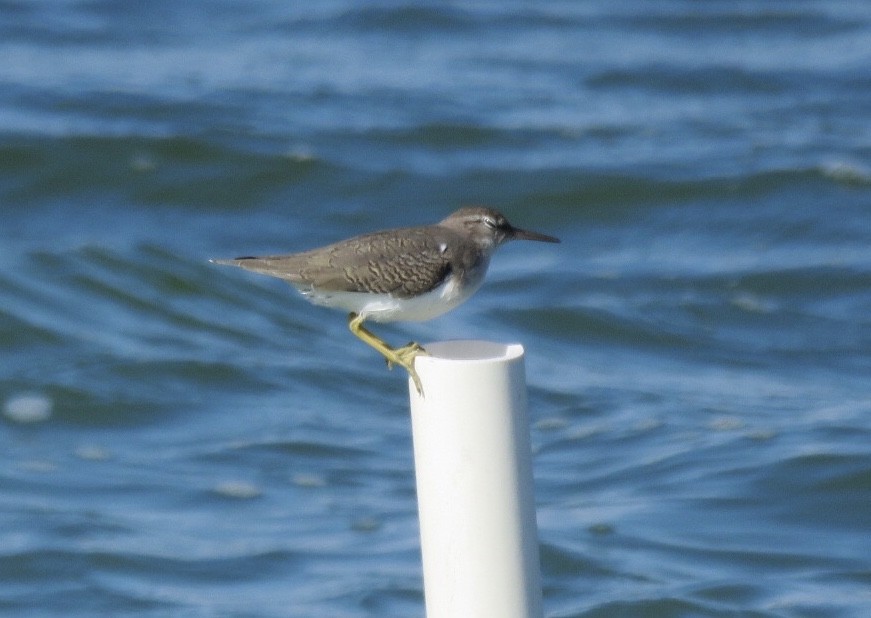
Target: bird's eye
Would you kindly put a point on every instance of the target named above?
(490, 222)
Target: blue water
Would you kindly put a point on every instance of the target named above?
(187, 440)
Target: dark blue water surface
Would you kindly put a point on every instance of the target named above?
(179, 439)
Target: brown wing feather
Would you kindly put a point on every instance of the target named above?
(402, 264)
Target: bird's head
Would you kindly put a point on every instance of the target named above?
(489, 228)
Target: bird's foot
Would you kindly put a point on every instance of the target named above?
(404, 357)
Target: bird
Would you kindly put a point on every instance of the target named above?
(397, 275)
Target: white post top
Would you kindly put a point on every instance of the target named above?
(470, 350)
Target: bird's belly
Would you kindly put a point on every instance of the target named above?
(387, 308)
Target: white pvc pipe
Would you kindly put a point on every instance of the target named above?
(473, 464)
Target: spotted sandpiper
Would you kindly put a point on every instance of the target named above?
(406, 274)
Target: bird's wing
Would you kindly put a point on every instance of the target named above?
(403, 263)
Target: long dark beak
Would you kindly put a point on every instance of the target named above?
(518, 234)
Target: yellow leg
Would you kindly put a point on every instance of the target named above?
(404, 356)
